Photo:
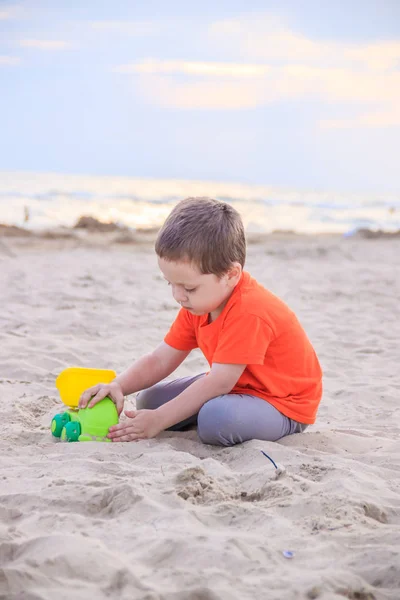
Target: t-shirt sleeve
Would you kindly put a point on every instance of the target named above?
(182, 334)
(244, 339)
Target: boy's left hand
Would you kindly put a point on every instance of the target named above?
(142, 425)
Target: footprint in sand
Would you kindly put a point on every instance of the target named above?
(313, 472)
(194, 485)
(375, 512)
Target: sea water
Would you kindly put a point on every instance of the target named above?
(41, 200)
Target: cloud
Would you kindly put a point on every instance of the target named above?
(211, 85)
(45, 44)
(205, 94)
(233, 85)
(380, 56)
(262, 37)
(271, 63)
(169, 67)
(9, 60)
(127, 27)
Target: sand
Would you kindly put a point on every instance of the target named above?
(172, 518)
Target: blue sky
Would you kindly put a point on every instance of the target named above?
(298, 94)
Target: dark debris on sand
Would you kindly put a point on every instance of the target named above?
(369, 234)
(92, 224)
(13, 231)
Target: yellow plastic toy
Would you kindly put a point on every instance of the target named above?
(72, 382)
(85, 424)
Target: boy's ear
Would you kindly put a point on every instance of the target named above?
(234, 273)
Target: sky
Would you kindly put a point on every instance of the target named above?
(304, 95)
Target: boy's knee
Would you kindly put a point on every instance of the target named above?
(213, 426)
(148, 399)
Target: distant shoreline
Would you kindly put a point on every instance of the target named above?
(89, 229)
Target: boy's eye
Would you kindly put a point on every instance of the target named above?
(186, 289)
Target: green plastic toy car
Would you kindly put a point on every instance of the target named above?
(86, 424)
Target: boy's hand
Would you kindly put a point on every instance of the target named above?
(98, 392)
(142, 425)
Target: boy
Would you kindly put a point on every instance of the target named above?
(265, 380)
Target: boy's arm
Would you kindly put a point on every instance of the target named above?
(151, 368)
(145, 372)
(145, 424)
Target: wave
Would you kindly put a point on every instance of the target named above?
(44, 200)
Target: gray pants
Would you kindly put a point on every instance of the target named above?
(225, 420)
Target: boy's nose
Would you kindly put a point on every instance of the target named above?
(179, 295)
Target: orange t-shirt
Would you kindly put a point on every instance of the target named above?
(257, 329)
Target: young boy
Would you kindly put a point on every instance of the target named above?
(265, 381)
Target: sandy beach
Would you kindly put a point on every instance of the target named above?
(172, 518)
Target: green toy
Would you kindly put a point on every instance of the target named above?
(84, 424)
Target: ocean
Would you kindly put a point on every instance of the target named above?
(46, 200)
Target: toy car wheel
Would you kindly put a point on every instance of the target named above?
(58, 422)
(71, 431)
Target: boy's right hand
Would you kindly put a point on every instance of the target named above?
(98, 392)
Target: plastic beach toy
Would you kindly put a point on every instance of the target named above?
(72, 382)
(85, 424)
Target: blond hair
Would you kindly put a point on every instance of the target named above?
(207, 232)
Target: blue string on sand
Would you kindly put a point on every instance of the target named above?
(273, 462)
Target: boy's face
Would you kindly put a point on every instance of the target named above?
(200, 294)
